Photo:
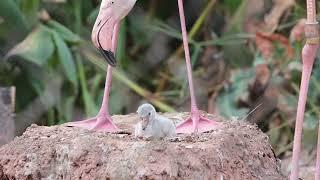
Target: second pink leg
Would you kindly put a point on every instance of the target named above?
(317, 174)
(196, 122)
(308, 56)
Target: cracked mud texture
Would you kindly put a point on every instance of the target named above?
(236, 150)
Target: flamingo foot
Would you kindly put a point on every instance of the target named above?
(196, 123)
(99, 123)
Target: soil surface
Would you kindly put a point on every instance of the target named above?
(235, 150)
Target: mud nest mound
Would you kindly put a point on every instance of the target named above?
(236, 150)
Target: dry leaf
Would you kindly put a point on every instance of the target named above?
(273, 18)
(264, 43)
(297, 32)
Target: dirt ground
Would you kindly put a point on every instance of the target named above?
(307, 164)
(236, 150)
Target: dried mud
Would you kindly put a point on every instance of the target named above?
(236, 150)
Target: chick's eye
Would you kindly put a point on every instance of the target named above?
(149, 114)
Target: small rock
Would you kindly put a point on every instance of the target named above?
(152, 159)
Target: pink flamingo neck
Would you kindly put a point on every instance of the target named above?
(104, 110)
(187, 55)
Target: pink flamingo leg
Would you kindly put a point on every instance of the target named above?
(309, 52)
(308, 56)
(196, 122)
(103, 121)
(317, 174)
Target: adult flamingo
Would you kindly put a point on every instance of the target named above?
(105, 37)
(104, 32)
(308, 56)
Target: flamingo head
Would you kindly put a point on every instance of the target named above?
(110, 13)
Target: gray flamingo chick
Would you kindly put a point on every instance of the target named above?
(153, 125)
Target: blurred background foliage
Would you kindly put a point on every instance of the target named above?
(245, 56)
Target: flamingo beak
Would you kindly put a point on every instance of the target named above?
(108, 56)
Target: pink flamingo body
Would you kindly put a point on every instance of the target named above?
(308, 57)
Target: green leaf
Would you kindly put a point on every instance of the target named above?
(30, 10)
(138, 27)
(232, 4)
(65, 58)
(12, 16)
(118, 98)
(90, 107)
(64, 32)
(36, 48)
(65, 109)
(93, 15)
(238, 19)
(121, 49)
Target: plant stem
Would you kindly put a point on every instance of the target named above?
(120, 76)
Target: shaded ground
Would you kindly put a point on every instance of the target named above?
(234, 151)
(307, 164)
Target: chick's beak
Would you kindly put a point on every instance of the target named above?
(145, 121)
